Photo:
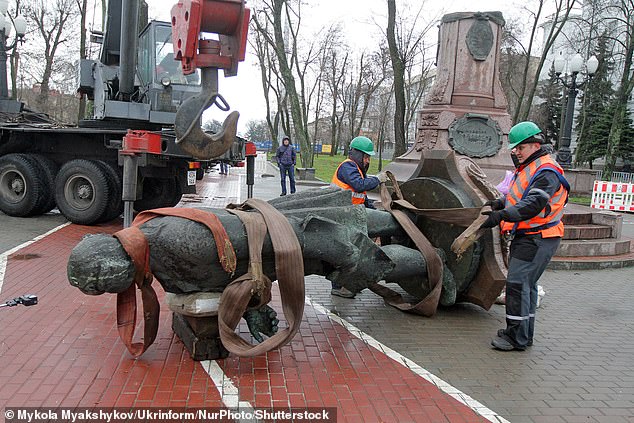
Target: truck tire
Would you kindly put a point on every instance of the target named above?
(82, 192)
(115, 203)
(21, 185)
(49, 171)
(159, 192)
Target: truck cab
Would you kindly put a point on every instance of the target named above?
(160, 85)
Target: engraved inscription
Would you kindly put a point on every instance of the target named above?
(475, 136)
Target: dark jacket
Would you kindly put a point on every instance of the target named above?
(543, 187)
(286, 155)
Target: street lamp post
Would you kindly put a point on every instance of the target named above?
(564, 154)
(5, 29)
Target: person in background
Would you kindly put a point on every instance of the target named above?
(286, 159)
(529, 216)
(352, 175)
(224, 167)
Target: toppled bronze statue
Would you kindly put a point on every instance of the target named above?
(337, 240)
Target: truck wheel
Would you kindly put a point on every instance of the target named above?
(49, 170)
(81, 191)
(21, 187)
(115, 204)
(159, 192)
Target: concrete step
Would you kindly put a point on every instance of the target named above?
(587, 231)
(574, 217)
(594, 262)
(598, 247)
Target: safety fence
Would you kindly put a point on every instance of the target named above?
(624, 177)
(617, 196)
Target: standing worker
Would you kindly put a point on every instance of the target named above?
(286, 159)
(352, 175)
(530, 217)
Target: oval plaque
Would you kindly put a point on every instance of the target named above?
(475, 136)
(480, 39)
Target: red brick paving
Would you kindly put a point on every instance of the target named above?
(65, 351)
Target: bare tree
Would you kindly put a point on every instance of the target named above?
(406, 32)
(361, 89)
(271, 21)
(271, 85)
(528, 80)
(337, 67)
(14, 59)
(50, 19)
(398, 68)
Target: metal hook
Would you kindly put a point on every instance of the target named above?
(190, 136)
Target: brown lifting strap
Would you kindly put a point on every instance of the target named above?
(135, 244)
(427, 306)
(469, 217)
(289, 268)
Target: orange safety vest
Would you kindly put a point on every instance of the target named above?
(357, 197)
(549, 225)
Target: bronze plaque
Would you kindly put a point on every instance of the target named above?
(475, 136)
(480, 39)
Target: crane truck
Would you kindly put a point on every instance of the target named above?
(149, 89)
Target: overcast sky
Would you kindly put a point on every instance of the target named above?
(360, 17)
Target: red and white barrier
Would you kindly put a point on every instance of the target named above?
(615, 196)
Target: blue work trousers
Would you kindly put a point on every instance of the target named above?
(290, 170)
(528, 259)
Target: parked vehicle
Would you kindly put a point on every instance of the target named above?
(135, 85)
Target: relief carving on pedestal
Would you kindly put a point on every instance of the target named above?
(427, 139)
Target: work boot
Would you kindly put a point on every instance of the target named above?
(504, 343)
(342, 292)
(502, 333)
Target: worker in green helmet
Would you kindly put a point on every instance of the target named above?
(352, 175)
(530, 217)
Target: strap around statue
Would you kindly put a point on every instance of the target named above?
(428, 305)
(289, 268)
(135, 244)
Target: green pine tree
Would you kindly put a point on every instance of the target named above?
(594, 118)
(548, 114)
(626, 146)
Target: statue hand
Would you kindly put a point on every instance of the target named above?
(261, 321)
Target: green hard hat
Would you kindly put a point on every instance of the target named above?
(521, 132)
(363, 144)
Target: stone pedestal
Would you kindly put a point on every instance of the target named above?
(200, 336)
(462, 144)
(466, 110)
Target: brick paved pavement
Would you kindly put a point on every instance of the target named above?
(579, 370)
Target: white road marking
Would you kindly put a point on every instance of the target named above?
(463, 398)
(4, 256)
(228, 391)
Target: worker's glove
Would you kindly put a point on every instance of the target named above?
(382, 177)
(497, 204)
(494, 218)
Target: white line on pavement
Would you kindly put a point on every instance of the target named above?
(440, 384)
(228, 391)
(4, 256)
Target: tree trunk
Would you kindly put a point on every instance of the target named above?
(399, 84)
